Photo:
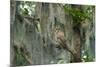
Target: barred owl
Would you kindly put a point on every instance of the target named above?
(60, 37)
(62, 42)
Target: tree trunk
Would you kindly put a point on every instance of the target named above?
(12, 20)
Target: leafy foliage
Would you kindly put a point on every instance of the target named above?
(27, 8)
(87, 58)
(78, 15)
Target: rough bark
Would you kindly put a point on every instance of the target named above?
(12, 20)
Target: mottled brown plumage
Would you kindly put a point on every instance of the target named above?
(60, 39)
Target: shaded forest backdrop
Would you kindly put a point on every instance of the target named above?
(51, 33)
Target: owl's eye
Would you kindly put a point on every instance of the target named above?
(58, 46)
